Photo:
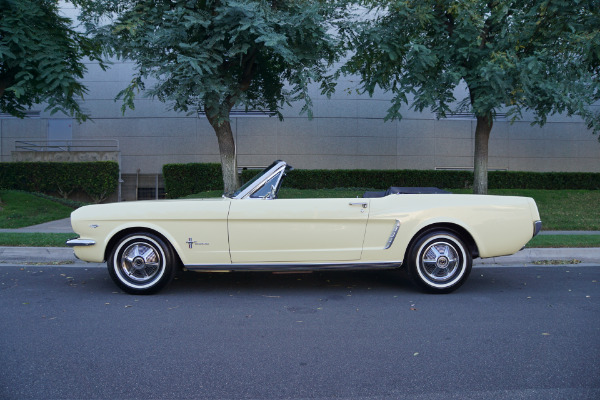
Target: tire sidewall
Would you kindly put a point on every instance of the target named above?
(416, 254)
(166, 269)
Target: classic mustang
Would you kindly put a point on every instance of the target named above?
(435, 235)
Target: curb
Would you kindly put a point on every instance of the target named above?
(529, 256)
(41, 255)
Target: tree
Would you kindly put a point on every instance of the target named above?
(214, 55)
(41, 58)
(513, 55)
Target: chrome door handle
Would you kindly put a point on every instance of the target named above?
(363, 205)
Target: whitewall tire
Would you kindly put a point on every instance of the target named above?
(141, 263)
(439, 262)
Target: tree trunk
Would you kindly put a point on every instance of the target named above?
(482, 139)
(231, 180)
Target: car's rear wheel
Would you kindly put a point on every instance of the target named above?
(439, 262)
(141, 263)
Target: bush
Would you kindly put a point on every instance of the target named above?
(376, 179)
(97, 179)
(543, 180)
(185, 179)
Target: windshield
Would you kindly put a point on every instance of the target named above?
(254, 179)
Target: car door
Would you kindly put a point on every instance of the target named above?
(297, 230)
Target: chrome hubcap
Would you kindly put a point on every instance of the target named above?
(440, 261)
(140, 262)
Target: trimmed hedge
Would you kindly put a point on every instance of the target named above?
(97, 179)
(543, 180)
(376, 179)
(185, 179)
(382, 179)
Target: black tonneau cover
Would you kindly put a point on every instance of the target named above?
(405, 190)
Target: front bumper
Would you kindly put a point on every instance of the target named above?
(80, 242)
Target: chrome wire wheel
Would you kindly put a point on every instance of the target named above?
(439, 262)
(141, 263)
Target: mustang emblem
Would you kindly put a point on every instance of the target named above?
(192, 242)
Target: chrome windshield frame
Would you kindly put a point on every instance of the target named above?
(278, 167)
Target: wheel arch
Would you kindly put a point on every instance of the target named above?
(124, 232)
(458, 230)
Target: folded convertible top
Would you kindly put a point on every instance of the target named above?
(405, 190)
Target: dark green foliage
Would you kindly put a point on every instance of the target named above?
(539, 56)
(185, 179)
(41, 58)
(213, 55)
(382, 179)
(379, 179)
(544, 180)
(97, 179)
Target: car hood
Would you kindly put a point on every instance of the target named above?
(142, 210)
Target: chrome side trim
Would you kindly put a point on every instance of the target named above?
(80, 242)
(392, 235)
(295, 266)
(537, 227)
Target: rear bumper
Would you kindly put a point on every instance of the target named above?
(537, 227)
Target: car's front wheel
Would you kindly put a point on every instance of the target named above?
(439, 262)
(141, 263)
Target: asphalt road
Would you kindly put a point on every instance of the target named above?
(508, 333)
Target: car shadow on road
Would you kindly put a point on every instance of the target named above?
(481, 281)
(189, 281)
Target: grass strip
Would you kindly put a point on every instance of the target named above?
(22, 239)
(557, 241)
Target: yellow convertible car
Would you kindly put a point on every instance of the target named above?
(434, 235)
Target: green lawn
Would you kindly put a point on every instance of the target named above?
(565, 241)
(20, 209)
